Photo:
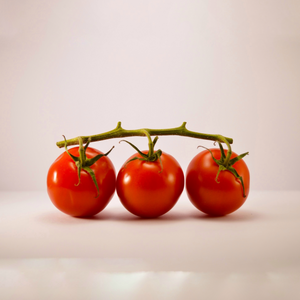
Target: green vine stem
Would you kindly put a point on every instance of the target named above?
(119, 132)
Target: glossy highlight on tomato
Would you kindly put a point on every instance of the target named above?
(80, 200)
(148, 191)
(211, 197)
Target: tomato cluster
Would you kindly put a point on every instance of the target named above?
(147, 189)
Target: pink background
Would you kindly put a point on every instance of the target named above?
(79, 67)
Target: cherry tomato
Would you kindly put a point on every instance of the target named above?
(80, 200)
(211, 197)
(147, 189)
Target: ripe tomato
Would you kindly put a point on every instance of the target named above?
(146, 188)
(80, 200)
(211, 197)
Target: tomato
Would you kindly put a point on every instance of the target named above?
(148, 189)
(211, 197)
(80, 200)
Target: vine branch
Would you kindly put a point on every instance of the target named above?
(120, 132)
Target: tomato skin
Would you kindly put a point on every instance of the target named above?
(206, 194)
(80, 200)
(147, 192)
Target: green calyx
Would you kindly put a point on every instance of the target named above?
(226, 164)
(84, 163)
(151, 156)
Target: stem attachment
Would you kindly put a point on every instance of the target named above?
(84, 163)
(226, 164)
(151, 156)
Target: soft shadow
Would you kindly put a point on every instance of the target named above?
(128, 217)
(57, 217)
(237, 216)
(120, 215)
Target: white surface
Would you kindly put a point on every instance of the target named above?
(78, 67)
(250, 254)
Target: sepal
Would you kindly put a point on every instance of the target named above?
(92, 174)
(84, 163)
(154, 157)
(229, 167)
(90, 161)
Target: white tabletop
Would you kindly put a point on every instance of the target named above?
(253, 253)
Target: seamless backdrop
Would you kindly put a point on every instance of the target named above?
(79, 67)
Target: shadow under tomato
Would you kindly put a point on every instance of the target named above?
(126, 216)
(120, 215)
(237, 216)
(57, 217)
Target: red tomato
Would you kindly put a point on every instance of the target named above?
(209, 196)
(80, 200)
(147, 191)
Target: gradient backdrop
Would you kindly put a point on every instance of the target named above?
(79, 67)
